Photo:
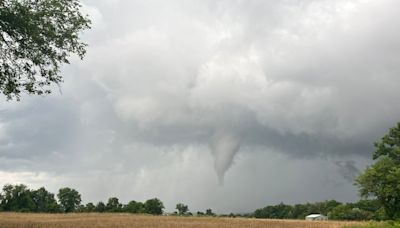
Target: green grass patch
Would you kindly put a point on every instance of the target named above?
(389, 224)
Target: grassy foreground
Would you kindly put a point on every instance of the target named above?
(390, 224)
(11, 220)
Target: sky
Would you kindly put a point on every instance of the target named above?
(231, 105)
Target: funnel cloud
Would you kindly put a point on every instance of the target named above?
(224, 146)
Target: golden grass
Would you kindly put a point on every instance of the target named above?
(12, 220)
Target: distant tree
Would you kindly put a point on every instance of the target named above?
(279, 211)
(373, 206)
(261, 213)
(199, 213)
(232, 215)
(209, 212)
(348, 212)
(80, 209)
(153, 206)
(134, 207)
(69, 199)
(113, 205)
(382, 180)
(282, 211)
(300, 211)
(17, 198)
(100, 207)
(368, 205)
(340, 212)
(328, 205)
(90, 207)
(182, 208)
(44, 201)
(36, 38)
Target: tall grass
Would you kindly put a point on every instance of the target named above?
(14, 220)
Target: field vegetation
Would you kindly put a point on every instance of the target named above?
(14, 220)
(387, 224)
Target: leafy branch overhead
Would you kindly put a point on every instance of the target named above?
(36, 38)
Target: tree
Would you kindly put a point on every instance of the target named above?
(36, 38)
(113, 205)
(134, 207)
(209, 212)
(153, 206)
(300, 211)
(90, 207)
(199, 213)
(44, 201)
(100, 207)
(372, 206)
(279, 211)
(81, 208)
(382, 180)
(17, 198)
(282, 211)
(69, 199)
(368, 205)
(182, 208)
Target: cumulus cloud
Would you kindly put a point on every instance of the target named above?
(306, 80)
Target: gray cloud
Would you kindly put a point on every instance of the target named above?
(348, 170)
(171, 90)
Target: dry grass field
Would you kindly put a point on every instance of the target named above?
(12, 220)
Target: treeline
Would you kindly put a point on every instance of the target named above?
(361, 210)
(19, 198)
(183, 210)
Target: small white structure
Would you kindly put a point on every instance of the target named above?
(316, 217)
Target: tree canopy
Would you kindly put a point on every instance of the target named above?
(182, 208)
(153, 206)
(134, 207)
(44, 201)
(36, 38)
(382, 180)
(69, 198)
(17, 198)
(113, 205)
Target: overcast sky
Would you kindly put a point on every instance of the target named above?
(230, 104)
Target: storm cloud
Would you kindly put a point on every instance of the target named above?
(174, 97)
